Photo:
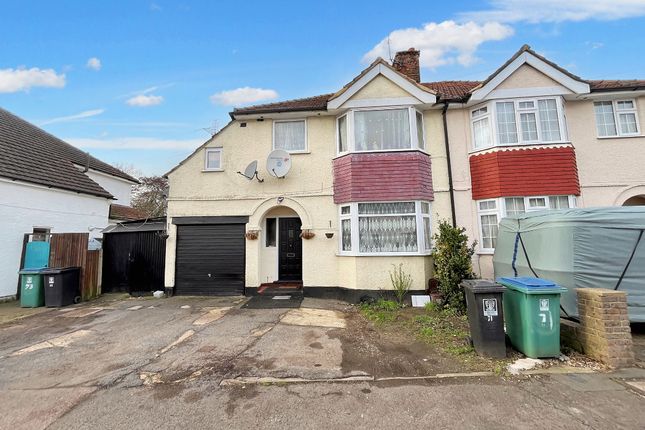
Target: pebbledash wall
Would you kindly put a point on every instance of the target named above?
(25, 206)
(306, 191)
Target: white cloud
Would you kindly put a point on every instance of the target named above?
(82, 115)
(94, 64)
(535, 11)
(21, 79)
(125, 143)
(143, 100)
(441, 43)
(243, 96)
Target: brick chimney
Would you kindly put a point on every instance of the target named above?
(407, 62)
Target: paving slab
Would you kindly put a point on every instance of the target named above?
(314, 317)
(588, 382)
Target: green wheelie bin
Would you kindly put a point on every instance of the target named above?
(32, 292)
(532, 315)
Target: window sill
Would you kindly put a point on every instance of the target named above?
(486, 252)
(522, 145)
(382, 151)
(212, 170)
(386, 254)
(631, 136)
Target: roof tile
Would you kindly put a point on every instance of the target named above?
(28, 153)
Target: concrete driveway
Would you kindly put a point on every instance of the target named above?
(206, 363)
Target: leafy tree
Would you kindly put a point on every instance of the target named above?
(150, 195)
(452, 263)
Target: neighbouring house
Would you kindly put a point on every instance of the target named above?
(48, 186)
(378, 163)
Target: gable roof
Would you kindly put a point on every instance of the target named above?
(455, 91)
(30, 154)
(381, 67)
(525, 55)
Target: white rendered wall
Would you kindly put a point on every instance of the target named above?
(24, 206)
(119, 188)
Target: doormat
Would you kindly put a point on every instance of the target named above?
(273, 302)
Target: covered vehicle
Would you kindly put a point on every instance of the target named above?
(578, 248)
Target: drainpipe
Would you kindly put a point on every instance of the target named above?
(447, 143)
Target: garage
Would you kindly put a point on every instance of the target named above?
(210, 257)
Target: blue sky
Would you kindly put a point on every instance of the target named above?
(138, 82)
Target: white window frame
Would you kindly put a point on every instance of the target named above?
(412, 119)
(355, 240)
(485, 116)
(491, 114)
(299, 151)
(221, 160)
(482, 212)
(501, 212)
(616, 112)
(338, 118)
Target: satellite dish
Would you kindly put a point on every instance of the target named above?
(279, 163)
(251, 171)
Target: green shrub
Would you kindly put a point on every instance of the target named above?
(401, 282)
(452, 263)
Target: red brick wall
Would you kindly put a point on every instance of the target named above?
(382, 177)
(524, 172)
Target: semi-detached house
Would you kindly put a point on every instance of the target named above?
(378, 163)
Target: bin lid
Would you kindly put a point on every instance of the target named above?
(483, 286)
(57, 270)
(530, 285)
(30, 271)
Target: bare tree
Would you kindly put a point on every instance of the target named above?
(150, 195)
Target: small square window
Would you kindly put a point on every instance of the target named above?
(345, 210)
(487, 205)
(537, 202)
(213, 160)
(40, 234)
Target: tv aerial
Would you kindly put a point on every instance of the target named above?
(251, 172)
(279, 163)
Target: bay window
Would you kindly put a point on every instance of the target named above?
(385, 228)
(492, 210)
(517, 122)
(616, 118)
(384, 129)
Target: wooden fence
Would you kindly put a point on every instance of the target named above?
(70, 249)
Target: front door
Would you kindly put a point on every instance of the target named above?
(290, 250)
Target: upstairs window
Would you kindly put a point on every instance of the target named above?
(290, 135)
(213, 159)
(616, 118)
(481, 128)
(372, 130)
(518, 122)
(379, 130)
(342, 134)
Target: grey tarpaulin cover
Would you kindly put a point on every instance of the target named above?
(578, 248)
